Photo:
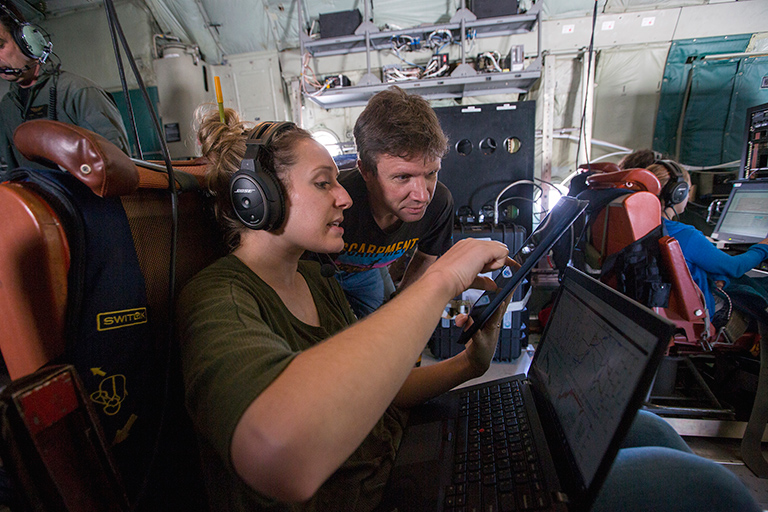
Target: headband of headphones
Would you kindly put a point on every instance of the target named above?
(676, 189)
(256, 194)
(30, 39)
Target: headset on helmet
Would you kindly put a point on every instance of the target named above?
(31, 40)
(256, 193)
(676, 189)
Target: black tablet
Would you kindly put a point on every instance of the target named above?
(535, 247)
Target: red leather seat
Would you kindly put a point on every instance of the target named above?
(627, 219)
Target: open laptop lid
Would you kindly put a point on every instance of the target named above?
(745, 217)
(591, 371)
(536, 246)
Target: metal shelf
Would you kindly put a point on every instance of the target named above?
(464, 82)
(485, 27)
(436, 88)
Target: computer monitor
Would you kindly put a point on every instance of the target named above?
(754, 157)
(745, 218)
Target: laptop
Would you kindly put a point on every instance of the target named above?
(535, 247)
(544, 441)
(745, 217)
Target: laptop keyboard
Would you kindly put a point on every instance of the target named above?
(496, 467)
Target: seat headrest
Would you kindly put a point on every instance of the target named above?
(631, 179)
(88, 156)
(601, 167)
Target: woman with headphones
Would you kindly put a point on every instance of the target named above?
(290, 395)
(709, 266)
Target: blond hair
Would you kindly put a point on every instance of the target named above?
(224, 144)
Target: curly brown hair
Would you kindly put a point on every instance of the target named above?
(650, 160)
(639, 159)
(223, 145)
(399, 124)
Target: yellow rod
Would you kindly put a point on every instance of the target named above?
(219, 97)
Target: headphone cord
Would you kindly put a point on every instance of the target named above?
(52, 114)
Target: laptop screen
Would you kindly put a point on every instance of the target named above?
(745, 218)
(592, 366)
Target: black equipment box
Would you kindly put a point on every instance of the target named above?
(342, 23)
(493, 8)
(512, 337)
(514, 331)
(490, 147)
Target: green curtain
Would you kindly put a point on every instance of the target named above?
(150, 145)
(710, 98)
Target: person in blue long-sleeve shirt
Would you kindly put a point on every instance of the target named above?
(709, 266)
(706, 262)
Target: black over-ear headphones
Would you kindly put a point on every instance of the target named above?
(676, 189)
(31, 40)
(256, 193)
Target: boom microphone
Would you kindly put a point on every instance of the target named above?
(329, 268)
(12, 71)
(15, 71)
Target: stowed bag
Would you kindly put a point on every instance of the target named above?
(636, 271)
(107, 331)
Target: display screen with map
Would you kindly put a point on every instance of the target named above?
(590, 373)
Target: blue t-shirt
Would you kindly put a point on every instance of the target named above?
(708, 263)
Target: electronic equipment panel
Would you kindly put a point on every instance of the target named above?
(754, 158)
(490, 147)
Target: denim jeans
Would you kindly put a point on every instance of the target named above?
(364, 290)
(655, 470)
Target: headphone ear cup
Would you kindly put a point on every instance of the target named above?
(257, 195)
(31, 41)
(676, 189)
(677, 193)
(257, 199)
(276, 205)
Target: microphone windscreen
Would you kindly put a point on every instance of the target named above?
(327, 270)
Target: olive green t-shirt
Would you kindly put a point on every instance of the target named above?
(236, 337)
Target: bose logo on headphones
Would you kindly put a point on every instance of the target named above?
(244, 190)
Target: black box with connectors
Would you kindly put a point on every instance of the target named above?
(342, 23)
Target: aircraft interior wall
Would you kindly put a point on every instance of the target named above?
(629, 65)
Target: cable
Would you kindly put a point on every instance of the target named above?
(586, 88)
(611, 155)
(115, 27)
(548, 183)
(126, 95)
(471, 35)
(538, 214)
(403, 42)
(713, 169)
(311, 81)
(493, 57)
(513, 184)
